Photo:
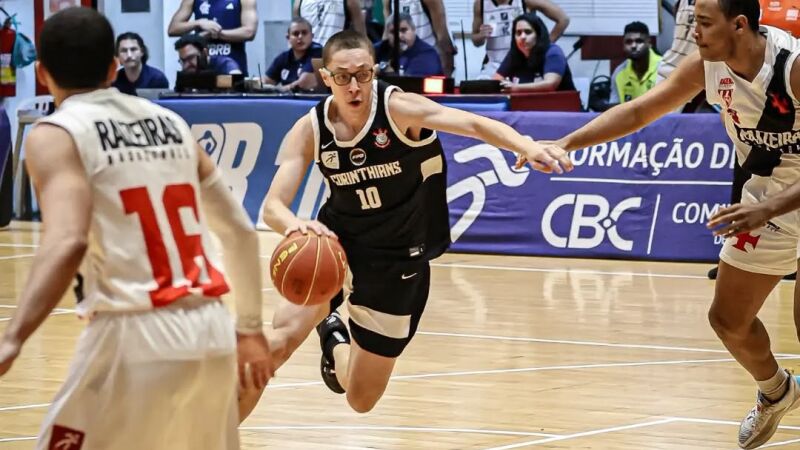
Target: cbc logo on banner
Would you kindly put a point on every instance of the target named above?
(477, 184)
(602, 223)
(228, 144)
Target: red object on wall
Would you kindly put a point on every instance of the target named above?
(39, 9)
(8, 74)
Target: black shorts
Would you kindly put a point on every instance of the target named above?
(386, 302)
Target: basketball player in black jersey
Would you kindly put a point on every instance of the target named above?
(377, 148)
(754, 74)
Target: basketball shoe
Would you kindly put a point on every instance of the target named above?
(332, 332)
(762, 421)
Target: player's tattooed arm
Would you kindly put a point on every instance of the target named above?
(412, 112)
(65, 199)
(683, 85)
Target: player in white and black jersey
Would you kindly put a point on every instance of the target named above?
(328, 17)
(379, 153)
(128, 195)
(753, 73)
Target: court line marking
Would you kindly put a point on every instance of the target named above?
(567, 271)
(16, 408)
(26, 255)
(394, 428)
(726, 422)
(54, 313)
(17, 439)
(780, 443)
(587, 343)
(20, 245)
(584, 434)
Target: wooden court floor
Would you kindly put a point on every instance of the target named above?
(512, 353)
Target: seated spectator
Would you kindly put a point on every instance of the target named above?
(639, 73)
(193, 57)
(135, 73)
(417, 58)
(533, 63)
(292, 68)
(430, 20)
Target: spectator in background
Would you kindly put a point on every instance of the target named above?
(431, 26)
(292, 68)
(533, 63)
(328, 17)
(491, 24)
(417, 58)
(227, 24)
(638, 73)
(135, 73)
(193, 57)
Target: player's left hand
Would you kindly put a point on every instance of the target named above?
(8, 353)
(255, 361)
(738, 219)
(547, 157)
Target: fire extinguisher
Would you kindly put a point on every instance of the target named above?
(8, 74)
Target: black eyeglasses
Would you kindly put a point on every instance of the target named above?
(344, 78)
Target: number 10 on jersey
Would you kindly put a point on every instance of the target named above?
(370, 198)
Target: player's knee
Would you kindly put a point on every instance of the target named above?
(727, 326)
(362, 403)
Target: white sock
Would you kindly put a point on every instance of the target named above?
(774, 388)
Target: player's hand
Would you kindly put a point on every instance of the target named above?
(8, 353)
(738, 219)
(304, 226)
(545, 156)
(486, 31)
(210, 27)
(255, 361)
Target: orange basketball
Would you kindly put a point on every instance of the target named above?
(307, 269)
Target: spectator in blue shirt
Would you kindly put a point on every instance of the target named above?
(135, 73)
(533, 63)
(417, 58)
(193, 57)
(292, 68)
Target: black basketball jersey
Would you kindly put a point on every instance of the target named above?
(387, 192)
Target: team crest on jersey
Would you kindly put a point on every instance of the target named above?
(63, 438)
(725, 91)
(358, 157)
(330, 160)
(205, 7)
(381, 138)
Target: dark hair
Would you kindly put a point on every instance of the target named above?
(131, 36)
(637, 27)
(199, 42)
(300, 21)
(748, 8)
(402, 17)
(346, 40)
(536, 59)
(76, 46)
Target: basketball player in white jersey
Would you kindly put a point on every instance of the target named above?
(683, 42)
(753, 73)
(121, 182)
(430, 21)
(328, 17)
(491, 24)
(368, 127)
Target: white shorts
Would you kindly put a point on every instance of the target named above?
(770, 250)
(159, 379)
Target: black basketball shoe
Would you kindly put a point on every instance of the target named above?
(332, 332)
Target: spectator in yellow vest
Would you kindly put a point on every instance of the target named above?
(639, 72)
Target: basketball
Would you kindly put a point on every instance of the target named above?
(307, 269)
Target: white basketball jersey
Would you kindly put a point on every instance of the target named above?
(327, 17)
(148, 242)
(683, 42)
(762, 117)
(500, 17)
(419, 16)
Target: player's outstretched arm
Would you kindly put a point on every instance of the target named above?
(296, 153)
(65, 199)
(684, 84)
(240, 250)
(743, 218)
(412, 111)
